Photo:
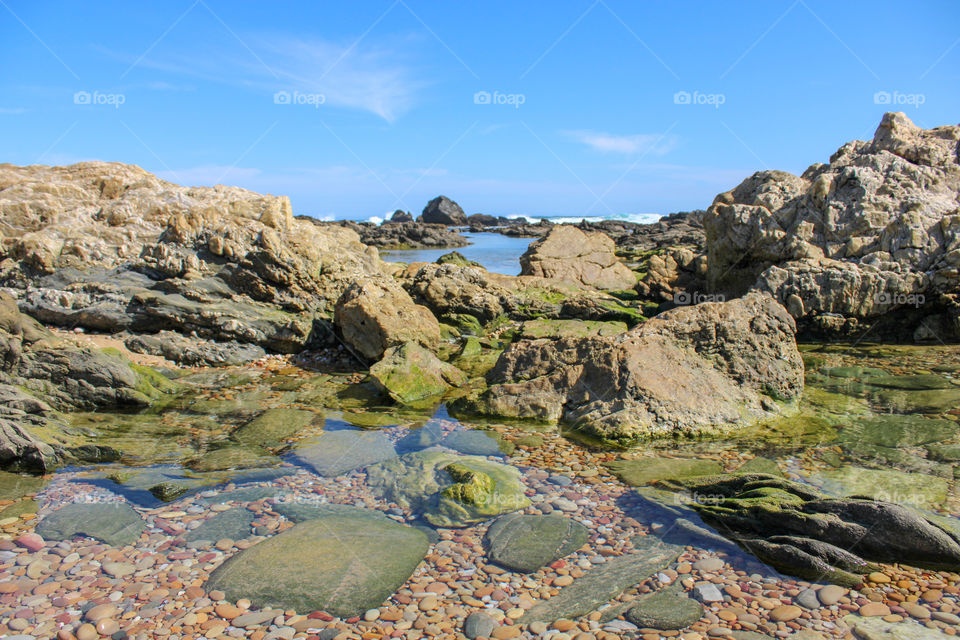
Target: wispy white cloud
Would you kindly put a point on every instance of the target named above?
(632, 144)
(375, 77)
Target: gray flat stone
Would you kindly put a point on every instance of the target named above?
(115, 523)
(602, 584)
(234, 524)
(339, 452)
(526, 543)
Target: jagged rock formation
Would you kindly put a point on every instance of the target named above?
(875, 230)
(443, 210)
(697, 368)
(403, 235)
(110, 247)
(571, 255)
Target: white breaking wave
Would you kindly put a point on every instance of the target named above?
(640, 218)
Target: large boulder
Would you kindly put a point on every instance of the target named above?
(571, 255)
(692, 369)
(374, 315)
(443, 210)
(340, 564)
(875, 230)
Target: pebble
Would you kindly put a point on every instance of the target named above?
(707, 592)
(786, 612)
(807, 599)
(831, 594)
(872, 609)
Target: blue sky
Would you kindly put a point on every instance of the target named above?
(538, 108)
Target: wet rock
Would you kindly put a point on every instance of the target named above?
(643, 471)
(544, 328)
(449, 490)
(804, 533)
(343, 565)
(665, 610)
(409, 374)
(231, 456)
(601, 584)
(888, 485)
(376, 315)
(274, 426)
(478, 625)
(653, 379)
(234, 524)
(419, 439)
(527, 543)
(114, 523)
(304, 511)
(404, 235)
(457, 258)
(339, 452)
(568, 254)
(474, 442)
(876, 628)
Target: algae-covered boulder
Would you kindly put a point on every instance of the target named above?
(527, 543)
(449, 490)
(340, 564)
(804, 533)
(409, 373)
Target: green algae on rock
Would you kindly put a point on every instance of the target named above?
(473, 490)
(410, 373)
(341, 564)
(802, 532)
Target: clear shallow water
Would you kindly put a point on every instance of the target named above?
(496, 252)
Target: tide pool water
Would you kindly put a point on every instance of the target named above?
(496, 252)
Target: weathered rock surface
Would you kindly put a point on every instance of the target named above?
(340, 564)
(571, 255)
(192, 352)
(714, 365)
(410, 374)
(451, 290)
(527, 543)
(111, 247)
(443, 210)
(802, 532)
(376, 315)
(665, 610)
(875, 230)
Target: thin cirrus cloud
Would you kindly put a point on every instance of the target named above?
(371, 78)
(633, 144)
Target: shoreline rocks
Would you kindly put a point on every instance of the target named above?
(568, 254)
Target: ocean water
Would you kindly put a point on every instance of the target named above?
(499, 253)
(496, 252)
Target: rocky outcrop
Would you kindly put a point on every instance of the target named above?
(699, 368)
(378, 314)
(42, 375)
(111, 247)
(805, 533)
(876, 230)
(400, 216)
(404, 235)
(194, 352)
(568, 254)
(443, 210)
(452, 290)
